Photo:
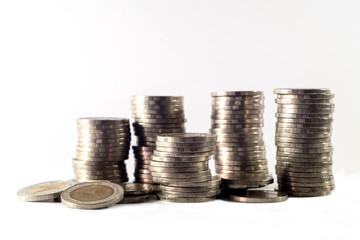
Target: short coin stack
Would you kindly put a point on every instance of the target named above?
(180, 165)
(237, 121)
(103, 146)
(153, 115)
(136, 192)
(303, 140)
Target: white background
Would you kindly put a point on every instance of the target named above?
(60, 60)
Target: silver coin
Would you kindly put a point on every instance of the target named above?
(287, 91)
(185, 200)
(134, 199)
(244, 184)
(237, 93)
(181, 159)
(177, 169)
(259, 196)
(43, 191)
(211, 193)
(93, 195)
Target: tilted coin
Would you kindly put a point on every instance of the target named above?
(185, 200)
(92, 195)
(237, 93)
(43, 191)
(259, 196)
(136, 189)
(301, 91)
(134, 199)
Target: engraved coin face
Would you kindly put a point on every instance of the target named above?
(91, 193)
(44, 191)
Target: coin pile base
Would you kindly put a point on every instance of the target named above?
(103, 146)
(257, 196)
(303, 140)
(153, 115)
(180, 165)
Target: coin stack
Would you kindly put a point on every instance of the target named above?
(237, 121)
(180, 164)
(303, 140)
(153, 115)
(103, 146)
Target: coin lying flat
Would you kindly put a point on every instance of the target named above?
(92, 195)
(185, 199)
(259, 196)
(44, 191)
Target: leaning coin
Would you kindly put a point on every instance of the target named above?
(92, 195)
(43, 191)
(259, 196)
(136, 189)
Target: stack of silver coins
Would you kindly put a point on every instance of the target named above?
(240, 156)
(180, 164)
(153, 115)
(103, 146)
(303, 140)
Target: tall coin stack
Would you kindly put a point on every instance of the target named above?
(180, 165)
(103, 146)
(303, 140)
(153, 115)
(240, 156)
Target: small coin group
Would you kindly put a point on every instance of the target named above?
(102, 148)
(303, 140)
(180, 164)
(86, 195)
(153, 115)
(240, 156)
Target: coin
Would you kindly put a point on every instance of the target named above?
(258, 196)
(178, 164)
(182, 154)
(177, 169)
(181, 159)
(188, 189)
(185, 200)
(136, 189)
(134, 199)
(237, 93)
(186, 137)
(184, 145)
(190, 180)
(185, 150)
(92, 195)
(213, 182)
(243, 184)
(210, 193)
(43, 191)
(200, 173)
(303, 101)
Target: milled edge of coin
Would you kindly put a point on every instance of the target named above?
(185, 200)
(115, 197)
(134, 199)
(24, 196)
(246, 197)
(136, 189)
